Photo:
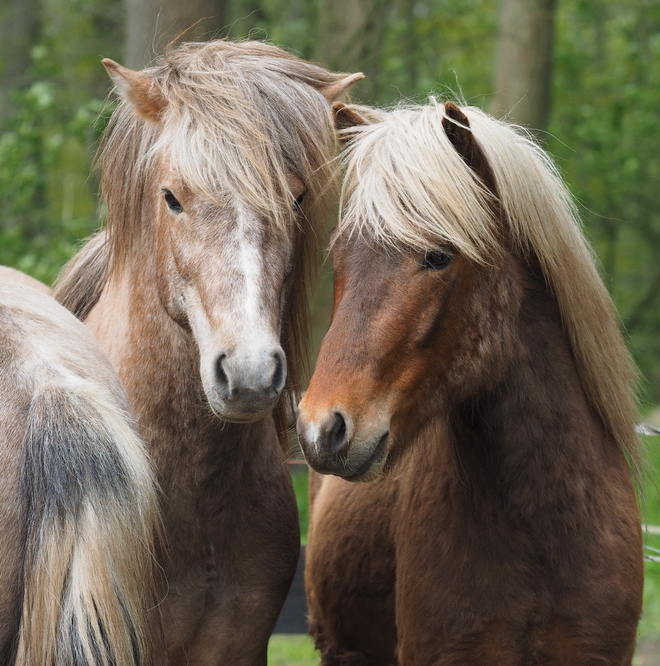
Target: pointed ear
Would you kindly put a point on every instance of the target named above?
(137, 89)
(346, 116)
(337, 89)
(457, 129)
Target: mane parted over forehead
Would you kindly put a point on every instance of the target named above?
(252, 112)
(236, 118)
(407, 186)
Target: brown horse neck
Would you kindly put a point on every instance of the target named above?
(532, 440)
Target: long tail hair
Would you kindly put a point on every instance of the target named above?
(91, 524)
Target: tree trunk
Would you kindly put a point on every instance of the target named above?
(19, 32)
(341, 24)
(524, 62)
(153, 24)
(349, 38)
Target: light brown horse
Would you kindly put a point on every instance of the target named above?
(216, 173)
(475, 375)
(78, 499)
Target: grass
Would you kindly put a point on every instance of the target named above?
(288, 650)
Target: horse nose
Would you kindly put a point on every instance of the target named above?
(279, 374)
(326, 441)
(333, 435)
(250, 380)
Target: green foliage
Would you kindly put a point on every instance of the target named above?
(49, 135)
(43, 183)
(605, 120)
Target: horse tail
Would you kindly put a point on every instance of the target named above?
(92, 519)
(79, 285)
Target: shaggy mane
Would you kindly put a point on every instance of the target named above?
(407, 186)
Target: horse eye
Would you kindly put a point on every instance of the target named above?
(298, 202)
(172, 202)
(437, 260)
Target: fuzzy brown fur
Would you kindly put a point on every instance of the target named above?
(500, 527)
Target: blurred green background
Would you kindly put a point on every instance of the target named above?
(591, 89)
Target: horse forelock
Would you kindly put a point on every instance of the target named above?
(242, 122)
(406, 186)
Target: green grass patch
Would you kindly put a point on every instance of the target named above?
(648, 653)
(288, 650)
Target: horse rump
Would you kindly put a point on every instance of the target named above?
(91, 515)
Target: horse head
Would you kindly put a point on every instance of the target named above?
(420, 317)
(234, 143)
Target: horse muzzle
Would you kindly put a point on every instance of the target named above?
(246, 389)
(333, 445)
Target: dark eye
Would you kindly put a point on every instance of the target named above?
(172, 202)
(437, 260)
(298, 202)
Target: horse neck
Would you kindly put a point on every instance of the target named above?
(135, 330)
(532, 441)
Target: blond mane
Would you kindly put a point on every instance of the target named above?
(239, 117)
(406, 185)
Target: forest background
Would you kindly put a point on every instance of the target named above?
(584, 74)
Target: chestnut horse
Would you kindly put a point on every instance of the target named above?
(216, 171)
(78, 500)
(474, 374)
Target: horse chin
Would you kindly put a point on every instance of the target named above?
(373, 466)
(234, 414)
(243, 420)
(364, 466)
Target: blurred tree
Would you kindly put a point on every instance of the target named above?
(605, 118)
(19, 31)
(152, 24)
(605, 100)
(524, 62)
(350, 35)
(48, 138)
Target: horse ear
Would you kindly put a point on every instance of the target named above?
(347, 116)
(457, 128)
(337, 89)
(137, 89)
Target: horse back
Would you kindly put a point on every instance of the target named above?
(8, 274)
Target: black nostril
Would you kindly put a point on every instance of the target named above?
(278, 376)
(337, 435)
(220, 374)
